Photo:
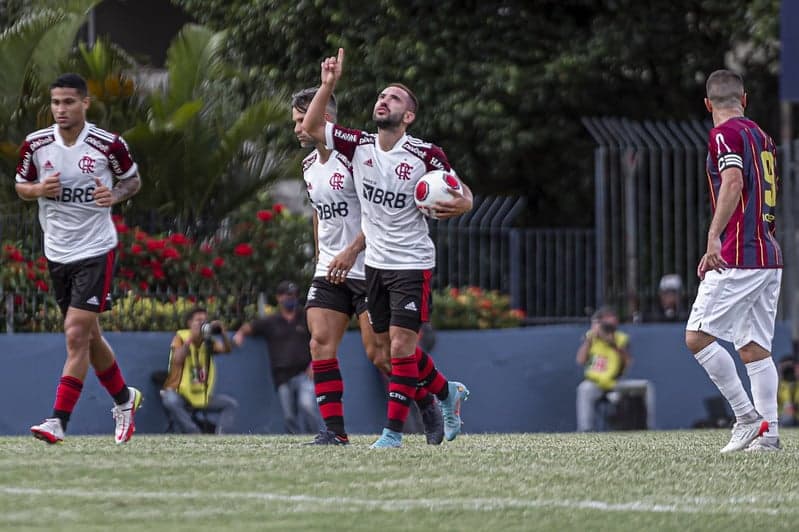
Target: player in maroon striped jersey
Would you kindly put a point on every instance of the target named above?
(399, 252)
(741, 270)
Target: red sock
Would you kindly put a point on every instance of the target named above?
(329, 391)
(66, 397)
(401, 390)
(112, 380)
(429, 376)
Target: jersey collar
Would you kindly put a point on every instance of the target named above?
(60, 141)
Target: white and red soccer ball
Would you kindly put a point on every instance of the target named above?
(434, 187)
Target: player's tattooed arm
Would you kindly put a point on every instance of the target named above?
(123, 189)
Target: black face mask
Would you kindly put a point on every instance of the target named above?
(289, 304)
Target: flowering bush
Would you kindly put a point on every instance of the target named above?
(161, 276)
(474, 308)
(252, 252)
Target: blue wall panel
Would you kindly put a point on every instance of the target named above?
(522, 380)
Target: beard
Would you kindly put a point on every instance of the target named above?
(390, 121)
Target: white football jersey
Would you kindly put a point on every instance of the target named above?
(74, 226)
(332, 193)
(397, 235)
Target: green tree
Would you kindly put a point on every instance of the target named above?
(201, 151)
(503, 84)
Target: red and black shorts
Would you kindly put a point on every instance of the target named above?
(401, 298)
(83, 284)
(348, 297)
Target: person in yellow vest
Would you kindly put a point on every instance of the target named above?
(605, 354)
(189, 385)
(788, 392)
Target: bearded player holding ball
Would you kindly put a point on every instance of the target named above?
(399, 255)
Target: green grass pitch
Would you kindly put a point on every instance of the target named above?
(609, 481)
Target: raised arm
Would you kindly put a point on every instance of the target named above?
(314, 121)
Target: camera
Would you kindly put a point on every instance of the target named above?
(607, 328)
(209, 329)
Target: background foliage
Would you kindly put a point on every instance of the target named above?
(503, 84)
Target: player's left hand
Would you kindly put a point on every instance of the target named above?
(458, 205)
(712, 259)
(340, 266)
(103, 196)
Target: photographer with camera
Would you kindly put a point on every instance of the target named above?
(191, 376)
(604, 354)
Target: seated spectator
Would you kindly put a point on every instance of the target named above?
(670, 307)
(189, 386)
(788, 392)
(605, 355)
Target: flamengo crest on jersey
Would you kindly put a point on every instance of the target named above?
(74, 226)
(397, 235)
(748, 240)
(331, 191)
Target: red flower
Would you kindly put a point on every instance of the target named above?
(454, 292)
(41, 285)
(179, 239)
(278, 208)
(219, 262)
(15, 255)
(18, 300)
(140, 235)
(42, 261)
(191, 299)
(123, 285)
(159, 274)
(127, 273)
(264, 216)
(485, 304)
(122, 228)
(206, 248)
(206, 272)
(154, 244)
(170, 253)
(143, 286)
(41, 267)
(31, 275)
(117, 218)
(135, 249)
(243, 250)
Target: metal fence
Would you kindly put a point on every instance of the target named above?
(548, 273)
(652, 209)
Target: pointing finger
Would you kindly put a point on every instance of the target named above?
(340, 57)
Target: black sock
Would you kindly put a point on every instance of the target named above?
(63, 416)
(425, 401)
(123, 396)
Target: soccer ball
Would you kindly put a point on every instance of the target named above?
(433, 187)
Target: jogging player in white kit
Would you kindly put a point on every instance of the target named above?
(338, 289)
(399, 252)
(69, 168)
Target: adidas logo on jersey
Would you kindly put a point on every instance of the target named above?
(311, 293)
(369, 163)
(411, 306)
(92, 301)
(48, 166)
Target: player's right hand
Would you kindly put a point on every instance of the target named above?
(51, 186)
(331, 68)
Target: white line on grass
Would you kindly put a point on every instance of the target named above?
(347, 504)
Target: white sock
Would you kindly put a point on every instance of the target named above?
(720, 366)
(764, 380)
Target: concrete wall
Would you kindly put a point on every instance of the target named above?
(522, 380)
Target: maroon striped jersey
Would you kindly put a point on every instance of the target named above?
(748, 240)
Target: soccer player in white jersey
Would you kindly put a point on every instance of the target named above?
(69, 168)
(338, 289)
(399, 252)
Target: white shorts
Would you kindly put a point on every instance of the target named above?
(738, 305)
